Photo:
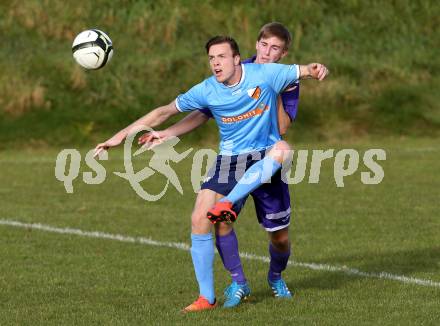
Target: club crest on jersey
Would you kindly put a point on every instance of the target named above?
(254, 92)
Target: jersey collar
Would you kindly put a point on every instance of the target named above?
(243, 72)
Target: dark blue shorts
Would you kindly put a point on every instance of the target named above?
(272, 199)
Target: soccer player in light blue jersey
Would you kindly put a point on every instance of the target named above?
(243, 101)
(272, 200)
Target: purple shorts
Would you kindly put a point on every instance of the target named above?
(272, 200)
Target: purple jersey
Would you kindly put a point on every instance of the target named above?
(290, 97)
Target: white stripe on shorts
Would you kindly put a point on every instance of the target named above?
(279, 215)
(276, 228)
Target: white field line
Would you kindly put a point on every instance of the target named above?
(119, 158)
(186, 247)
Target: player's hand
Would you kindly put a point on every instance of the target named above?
(153, 138)
(112, 142)
(318, 71)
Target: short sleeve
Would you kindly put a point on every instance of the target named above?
(192, 99)
(279, 76)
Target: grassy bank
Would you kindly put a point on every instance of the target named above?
(381, 55)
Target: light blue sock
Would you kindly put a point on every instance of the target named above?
(202, 253)
(254, 177)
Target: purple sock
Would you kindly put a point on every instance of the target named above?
(278, 262)
(227, 246)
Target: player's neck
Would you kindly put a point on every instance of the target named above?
(236, 77)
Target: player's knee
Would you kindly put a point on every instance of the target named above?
(196, 218)
(199, 222)
(280, 150)
(280, 240)
(281, 244)
(282, 146)
(222, 229)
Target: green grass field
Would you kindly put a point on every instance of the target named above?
(49, 278)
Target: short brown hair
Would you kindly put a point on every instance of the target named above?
(219, 39)
(278, 30)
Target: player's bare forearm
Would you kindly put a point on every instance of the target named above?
(187, 124)
(151, 119)
(313, 70)
(283, 118)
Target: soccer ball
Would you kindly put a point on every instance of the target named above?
(92, 49)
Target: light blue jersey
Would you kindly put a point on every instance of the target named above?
(246, 113)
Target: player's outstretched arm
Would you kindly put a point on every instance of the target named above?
(192, 121)
(313, 70)
(187, 124)
(284, 121)
(152, 119)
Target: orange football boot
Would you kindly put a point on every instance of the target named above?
(222, 212)
(200, 304)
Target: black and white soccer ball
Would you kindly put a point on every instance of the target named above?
(92, 49)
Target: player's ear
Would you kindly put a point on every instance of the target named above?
(237, 60)
(256, 45)
(284, 53)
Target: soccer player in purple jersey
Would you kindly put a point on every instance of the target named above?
(272, 200)
(228, 76)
